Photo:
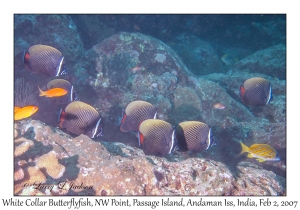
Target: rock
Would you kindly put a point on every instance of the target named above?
(188, 97)
(93, 29)
(15, 133)
(273, 31)
(109, 168)
(163, 105)
(251, 32)
(270, 61)
(123, 68)
(253, 180)
(198, 55)
(122, 59)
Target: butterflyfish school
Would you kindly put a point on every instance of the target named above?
(43, 59)
(135, 113)
(256, 91)
(81, 118)
(61, 83)
(194, 136)
(156, 137)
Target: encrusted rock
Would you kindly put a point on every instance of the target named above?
(109, 168)
(186, 96)
(253, 180)
(15, 133)
(50, 163)
(18, 174)
(23, 147)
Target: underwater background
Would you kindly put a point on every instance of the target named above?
(185, 65)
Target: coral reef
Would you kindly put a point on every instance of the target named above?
(15, 133)
(23, 147)
(33, 175)
(49, 161)
(194, 176)
(108, 168)
(31, 191)
(253, 180)
(29, 172)
(18, 174)
(127, 67)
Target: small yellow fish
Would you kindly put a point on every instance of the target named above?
(54, 92)
(16, 108)
(263, 152)
(25, 112)
(229, 59)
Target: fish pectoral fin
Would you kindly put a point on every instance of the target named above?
(250, 156)
(260, 160)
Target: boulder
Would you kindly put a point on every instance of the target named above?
(270, 61)
(111, 168)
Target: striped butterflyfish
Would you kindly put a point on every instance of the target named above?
(44, 59)
(135, 113)
(194, 136)
(156, 137)
(256, 91)
(262, 152)
(81, 118)
(61, 83)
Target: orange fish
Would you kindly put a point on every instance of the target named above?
(219, 106)
(16, 108)
(25, 112)
(54, 92)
